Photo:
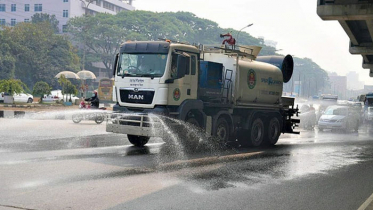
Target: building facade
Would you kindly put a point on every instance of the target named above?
(16, 11)
(338, 86)
(353, 82)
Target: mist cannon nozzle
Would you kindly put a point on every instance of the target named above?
(285, 63)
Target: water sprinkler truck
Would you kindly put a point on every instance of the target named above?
(227, 91)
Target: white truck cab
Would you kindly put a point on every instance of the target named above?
(146, 75)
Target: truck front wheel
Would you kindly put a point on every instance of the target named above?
(222, 130)
(138, 141)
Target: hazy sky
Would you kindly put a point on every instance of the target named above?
(294, 24)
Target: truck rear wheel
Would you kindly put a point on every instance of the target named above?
(138, 141)
(273, 131)
(256, 132)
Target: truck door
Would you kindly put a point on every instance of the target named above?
(185, 87)
(193, 76)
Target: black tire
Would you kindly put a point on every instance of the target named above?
(138, 141)
(193, 121)
(77, 118)
(321, 130)
(257, 133)
(222, 131)
(273, 131)
(99, 118)
(30, 100)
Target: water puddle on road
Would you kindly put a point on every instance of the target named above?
(276, 165)
(54, 130)
(204, 168)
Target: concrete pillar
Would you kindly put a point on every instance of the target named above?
(348, 32)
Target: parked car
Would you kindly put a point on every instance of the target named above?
(65, 98)
(339, 118)
(23, 97)
(2, 97)
(73, 98)
(50, 98)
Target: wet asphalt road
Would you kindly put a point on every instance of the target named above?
(56, 164)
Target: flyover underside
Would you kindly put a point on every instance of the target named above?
(356, 18)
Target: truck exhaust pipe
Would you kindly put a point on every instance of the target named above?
(285, 63)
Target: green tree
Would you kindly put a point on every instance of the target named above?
(44, 17)
(63, 83)
(312, 77)
(100, 35)
(70, 89)
(103, 33)
(12, 86)
(41, 88)
(39, 53)
(7, 60)
(87, 2)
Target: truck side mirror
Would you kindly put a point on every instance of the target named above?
(182, 66)
(115, 63)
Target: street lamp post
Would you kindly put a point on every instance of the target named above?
(243, 29)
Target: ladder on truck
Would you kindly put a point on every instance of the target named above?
(227, 84)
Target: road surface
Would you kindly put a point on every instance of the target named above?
(56, 164)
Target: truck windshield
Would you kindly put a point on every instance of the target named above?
(142, 65)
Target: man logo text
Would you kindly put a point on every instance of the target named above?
(137, 97)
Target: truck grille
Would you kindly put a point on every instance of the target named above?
(138, 97)
(136, 120)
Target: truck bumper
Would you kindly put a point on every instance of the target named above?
(135, 124)
(134, 130)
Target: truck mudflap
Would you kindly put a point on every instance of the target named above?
(134, 124)
(288, 113)
(290, 125)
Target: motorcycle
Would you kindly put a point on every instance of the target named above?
(98, 117)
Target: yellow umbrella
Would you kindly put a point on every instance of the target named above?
(85, 74)
(68, 74)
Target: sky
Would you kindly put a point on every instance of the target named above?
(293, 24)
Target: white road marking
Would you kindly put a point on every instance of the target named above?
(368, 204)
